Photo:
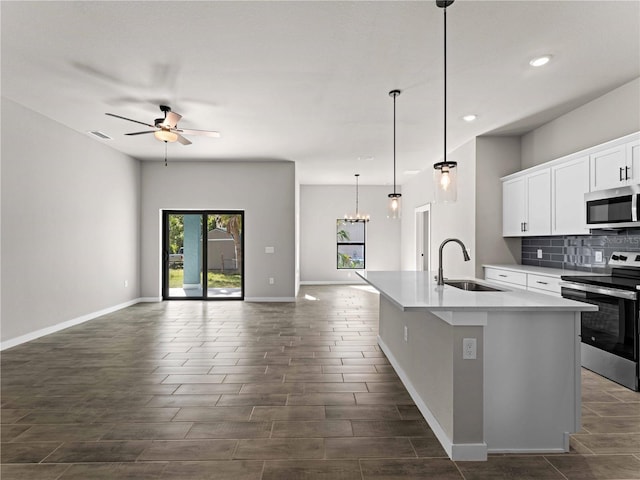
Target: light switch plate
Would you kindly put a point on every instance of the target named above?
(269, 250)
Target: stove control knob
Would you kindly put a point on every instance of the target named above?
(615, 257)
(623, 258)
(637, 258)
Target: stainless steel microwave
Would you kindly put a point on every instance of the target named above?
(614, 208)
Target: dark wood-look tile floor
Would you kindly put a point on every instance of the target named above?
(250, 391)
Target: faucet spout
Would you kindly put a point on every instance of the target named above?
(465, 255)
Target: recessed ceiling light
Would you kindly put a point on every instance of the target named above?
(469, 118)
(540, 61)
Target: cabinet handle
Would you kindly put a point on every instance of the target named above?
(542, 283)
(500, 275)
(525, 227)
(626, 173)
(621, 179)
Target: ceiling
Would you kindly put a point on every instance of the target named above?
(308, 81)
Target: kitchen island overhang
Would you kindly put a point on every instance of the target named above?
(521, 392)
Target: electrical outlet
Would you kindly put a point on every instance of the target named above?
(272, 280)
(539, 253)
(406, 333)
(598, 256)
(126, 283)
(468, 348)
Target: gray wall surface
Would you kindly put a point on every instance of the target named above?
(611, 116)
(265, 190)
(70, 224)
(321, 206)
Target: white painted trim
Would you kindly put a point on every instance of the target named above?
(355, 281)
(63, 325)
(270, 299)
(456, 452)
(534, 451)
(149, 299)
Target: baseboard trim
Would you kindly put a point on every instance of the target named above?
(149, 299)
(63, 325)
(456, 452)
(333, 282)
(270, 299)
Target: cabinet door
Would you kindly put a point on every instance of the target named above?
(569, 183)
(609, 168)
(633, 161)
(513, 207)
(538, 204)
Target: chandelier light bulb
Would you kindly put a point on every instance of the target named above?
(445, 180)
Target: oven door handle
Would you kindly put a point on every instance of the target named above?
(612, 292)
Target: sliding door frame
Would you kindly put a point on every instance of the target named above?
(204, 265)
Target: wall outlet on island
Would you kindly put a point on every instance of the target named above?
(539, 253)
(468, 348)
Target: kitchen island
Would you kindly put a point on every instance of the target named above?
(491, 371)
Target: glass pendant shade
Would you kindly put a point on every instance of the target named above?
(395, 205)
(445, 181)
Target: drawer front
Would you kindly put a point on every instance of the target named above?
(542, 282)
(507, 276)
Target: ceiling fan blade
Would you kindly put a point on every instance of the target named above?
(129, 119)
(171, 120)
(141, 133)
(183, 140)
(206, 133)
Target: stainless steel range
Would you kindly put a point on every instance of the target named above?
(610, 336)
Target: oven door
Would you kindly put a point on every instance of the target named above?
(614, 327)
(610, 335)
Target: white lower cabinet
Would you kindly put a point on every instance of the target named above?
(534, 282)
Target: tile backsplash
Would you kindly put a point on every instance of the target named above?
(578, 252)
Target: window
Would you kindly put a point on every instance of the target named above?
(350, 237)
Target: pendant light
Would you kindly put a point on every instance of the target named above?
(394, 198)
(357, 217)
(445, 172)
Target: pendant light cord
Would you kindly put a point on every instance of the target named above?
(445, 83)
(357, 211)
(394, 143)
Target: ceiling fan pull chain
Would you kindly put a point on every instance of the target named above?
(165, 153)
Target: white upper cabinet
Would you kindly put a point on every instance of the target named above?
(615, 167)
(526, 205)
(513, 207)
(569, 183)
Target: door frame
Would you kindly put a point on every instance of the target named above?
(422, 212)
(164, 253)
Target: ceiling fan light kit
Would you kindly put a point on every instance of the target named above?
(444, 172)
(166, 128)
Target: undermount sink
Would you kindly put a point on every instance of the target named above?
(470, 286)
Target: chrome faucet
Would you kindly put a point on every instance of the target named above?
(465, 254)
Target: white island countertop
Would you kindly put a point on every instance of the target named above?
(414, 291)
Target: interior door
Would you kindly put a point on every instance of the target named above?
(203, 255)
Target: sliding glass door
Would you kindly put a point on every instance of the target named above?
(203, 255)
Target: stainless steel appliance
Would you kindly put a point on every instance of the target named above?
(610, 336)
(614, 208)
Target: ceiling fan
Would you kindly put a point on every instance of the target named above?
(166, 129)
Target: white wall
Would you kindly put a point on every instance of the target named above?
(264, 190)
(495, 158)
(320, 207)
(613, 115)
(447, 220)
(70, 216)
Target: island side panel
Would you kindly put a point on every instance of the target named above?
(532, 381)
(431, 367)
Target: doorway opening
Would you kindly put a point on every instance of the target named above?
(202, 255)
(423, 238)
